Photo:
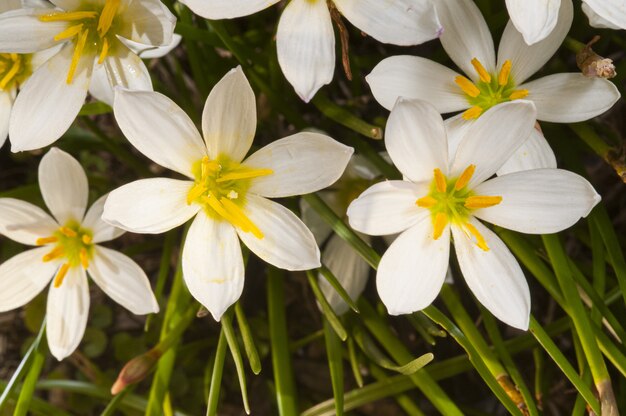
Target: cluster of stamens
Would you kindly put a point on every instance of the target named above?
(71, 242)
(89, 29)
(221, 187)
(489, 90)
(450, 201)
(14, 68)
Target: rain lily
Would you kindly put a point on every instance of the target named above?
(68, 248)
(305, 39)
(560, 98)
(92, 37)
(444, 196)
(606, 14)
(226, 194)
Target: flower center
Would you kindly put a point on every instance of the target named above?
(221, 186)
(450, 201)
(14, 69)
(489, 90)
(92, 29)
(71, 242)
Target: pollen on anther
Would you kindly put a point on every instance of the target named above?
(467, 86)
(482, 72)
(505, 72)
(439, 225)
(440, 181)
(465, 177)
(58, 279)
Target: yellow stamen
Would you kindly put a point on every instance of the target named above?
(465, 177)
(55, 253)
(505, 72)
(238, 213)
(86, 239)
(467, 86)
(107, 15)
(480, 240)
(70, 32)
(518, 94)
(15, 68)
(105, 50)
(46, 240)
(78, 50)
(195, 192)
(58, 279)
(440, 181)
(67, 17)
(473, 113)
(477, 202)
(426, 202)
(208, 166)
(84, 260)
(482, 72)
(244, 174)
(68, 232)
(439, 225)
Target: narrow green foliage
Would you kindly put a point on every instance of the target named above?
(327, 310)
(354, 363)
(335, 365)
(235, 351)
(216, 375)
(28, 387)
(248, 340)
(332, 280)
(345, 117)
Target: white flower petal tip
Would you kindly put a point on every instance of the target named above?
(227, 9)
(534, 19)
(605, 14)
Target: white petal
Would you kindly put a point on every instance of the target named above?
(65, 4)
(67, 312)
(388, 208)
(100, 87)
(534, 153)
(456, 129)
(7, 5)
(159, 129)
(466, 35)
(151, 52)
(413, 269)
(570, 98)
(539, 201)
(6, 104)
(302, 163)
(229, 117)
(611, 11)
(494, 276)
(149, 22)
(23, 276)
(415, 138)
(418, 78)
(400, 22)
(47, 105)
(123, 280)
(306, 51)
(534, 19)
(40, 58)
(212, 264)
(502, 130)
(150, 206)
(348, 267)
(287, 243)
(63, 185)
(227, 9)
(24, 222)
(526, 60)
(102, 231)
(21, 31)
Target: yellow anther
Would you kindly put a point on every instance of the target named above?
(440, 181)
(441, 220)
(244, 174)
(68, 232)
(86, 239)
(78, 50)
(518, 94)
(58, 279)
(477, 202)
(107, 15)
(67, 17)
(46, 240)
(465, 177)
(54, 254)
(241, 217)
(426, 202)
(212, 202)
(505, 72)
(482, 72)
(70, 32)
(84, 259)
(207, 166)
(473, 113)
(104, 51)
(14, 56)
(480, 240)
(467, 86)
(196, 191)
(15, 69)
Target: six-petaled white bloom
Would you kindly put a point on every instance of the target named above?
(226, 194)
(68, 248)
(560, 98)
(606, 14)
(443, 196)
(92, 36)
(305, 39)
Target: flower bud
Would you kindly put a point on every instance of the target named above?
(135, 370)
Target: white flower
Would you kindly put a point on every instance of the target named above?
(445, 195)
(305, 39)
(228, 194)
(534, 19)
(68, 247)
(606, 14)
(560, 98)
(92, 39)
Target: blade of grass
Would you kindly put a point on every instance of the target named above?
(216, 375)
(332, 280)
(28, 386)
(600, 219)
(354, 363)
(345, 117)
(235, 351)
(335, 365)
(248, 340)
(327, 310)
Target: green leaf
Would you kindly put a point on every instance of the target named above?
(327, 310)
(248, 340)
(235, 351)
(335, 365)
